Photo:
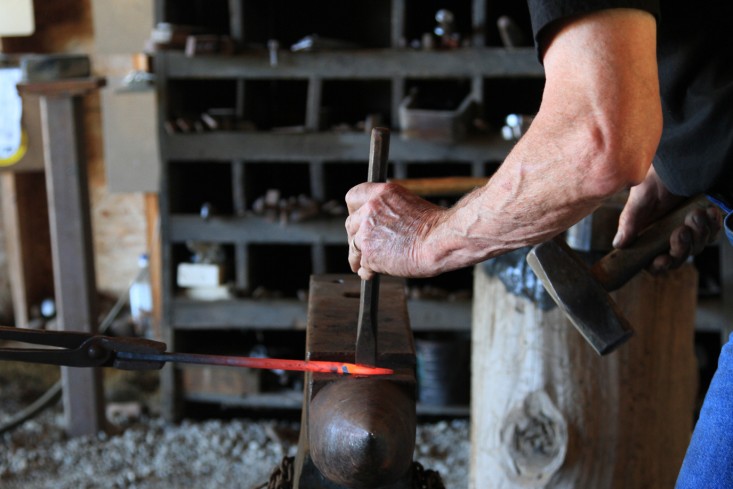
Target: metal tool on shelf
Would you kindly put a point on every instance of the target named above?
(366, 335)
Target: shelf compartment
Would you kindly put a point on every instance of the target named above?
(189, 98)
(517, 11)
(340, 177)
(284, 269)
(275, 104)
(283, 314)
(200, 182)
(420, 19)
(349, 102)
(511, 96)
(211, 17)
(337, 259)
(365, 24)
(290, 179)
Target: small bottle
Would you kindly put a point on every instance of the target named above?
(141, 299)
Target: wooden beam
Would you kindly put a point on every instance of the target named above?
(72, 246)
(152, 219)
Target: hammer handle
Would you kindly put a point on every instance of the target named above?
(366, 332)
(443, 186)
(620, 265)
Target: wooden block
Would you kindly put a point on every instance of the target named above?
(197, 45)
(49, 67)
(199, 275)
(223, 381)
(547, 411)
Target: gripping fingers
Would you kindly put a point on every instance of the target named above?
(699, 229)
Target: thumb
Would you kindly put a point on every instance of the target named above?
(632, 220)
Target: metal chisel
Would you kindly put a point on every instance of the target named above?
(366, 333)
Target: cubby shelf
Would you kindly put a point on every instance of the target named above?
(295, 125)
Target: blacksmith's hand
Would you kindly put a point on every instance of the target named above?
(651, 200)
(388, 230)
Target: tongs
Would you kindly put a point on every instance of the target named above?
(74, 349)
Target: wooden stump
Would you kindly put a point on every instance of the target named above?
(548, 412)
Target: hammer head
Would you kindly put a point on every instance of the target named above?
(579, 295)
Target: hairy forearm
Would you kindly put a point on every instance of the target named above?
(594, 135)
(537, 193)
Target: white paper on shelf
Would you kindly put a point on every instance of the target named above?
(11, 108)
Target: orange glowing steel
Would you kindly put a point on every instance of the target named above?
(256, 362)
(311, 366)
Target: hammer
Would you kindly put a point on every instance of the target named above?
(582, 292)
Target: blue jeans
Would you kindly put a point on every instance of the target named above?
(727, 207)
(708, 463)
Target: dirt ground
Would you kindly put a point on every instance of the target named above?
(145, 452)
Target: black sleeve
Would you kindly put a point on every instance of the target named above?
(545, 12)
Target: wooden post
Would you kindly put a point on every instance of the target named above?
(548, 412)
(71, 239)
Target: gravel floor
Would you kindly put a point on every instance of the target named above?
(148, 453)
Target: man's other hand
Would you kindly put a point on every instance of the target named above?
(650, 201)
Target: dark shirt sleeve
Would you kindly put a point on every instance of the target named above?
(545, 12)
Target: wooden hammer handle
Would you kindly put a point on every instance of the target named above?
(620, 265)
(441, 186)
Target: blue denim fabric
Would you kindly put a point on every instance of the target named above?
(728, 220)
(708, 463)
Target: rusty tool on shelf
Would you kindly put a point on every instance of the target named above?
(366, 332)
(582, 292)
(73, 349)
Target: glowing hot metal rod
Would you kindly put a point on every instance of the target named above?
(87, 350)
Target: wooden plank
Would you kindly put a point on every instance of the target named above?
(281, 314)
(73, 254)
(346, 147)
(349, 64)
(209, 380)
(152, 219)
(67, 87)
(237, 314)
(256, 230)
(28, 241)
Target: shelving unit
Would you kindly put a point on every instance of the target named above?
(289, 143)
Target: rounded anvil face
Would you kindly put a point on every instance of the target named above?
(362, 432)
